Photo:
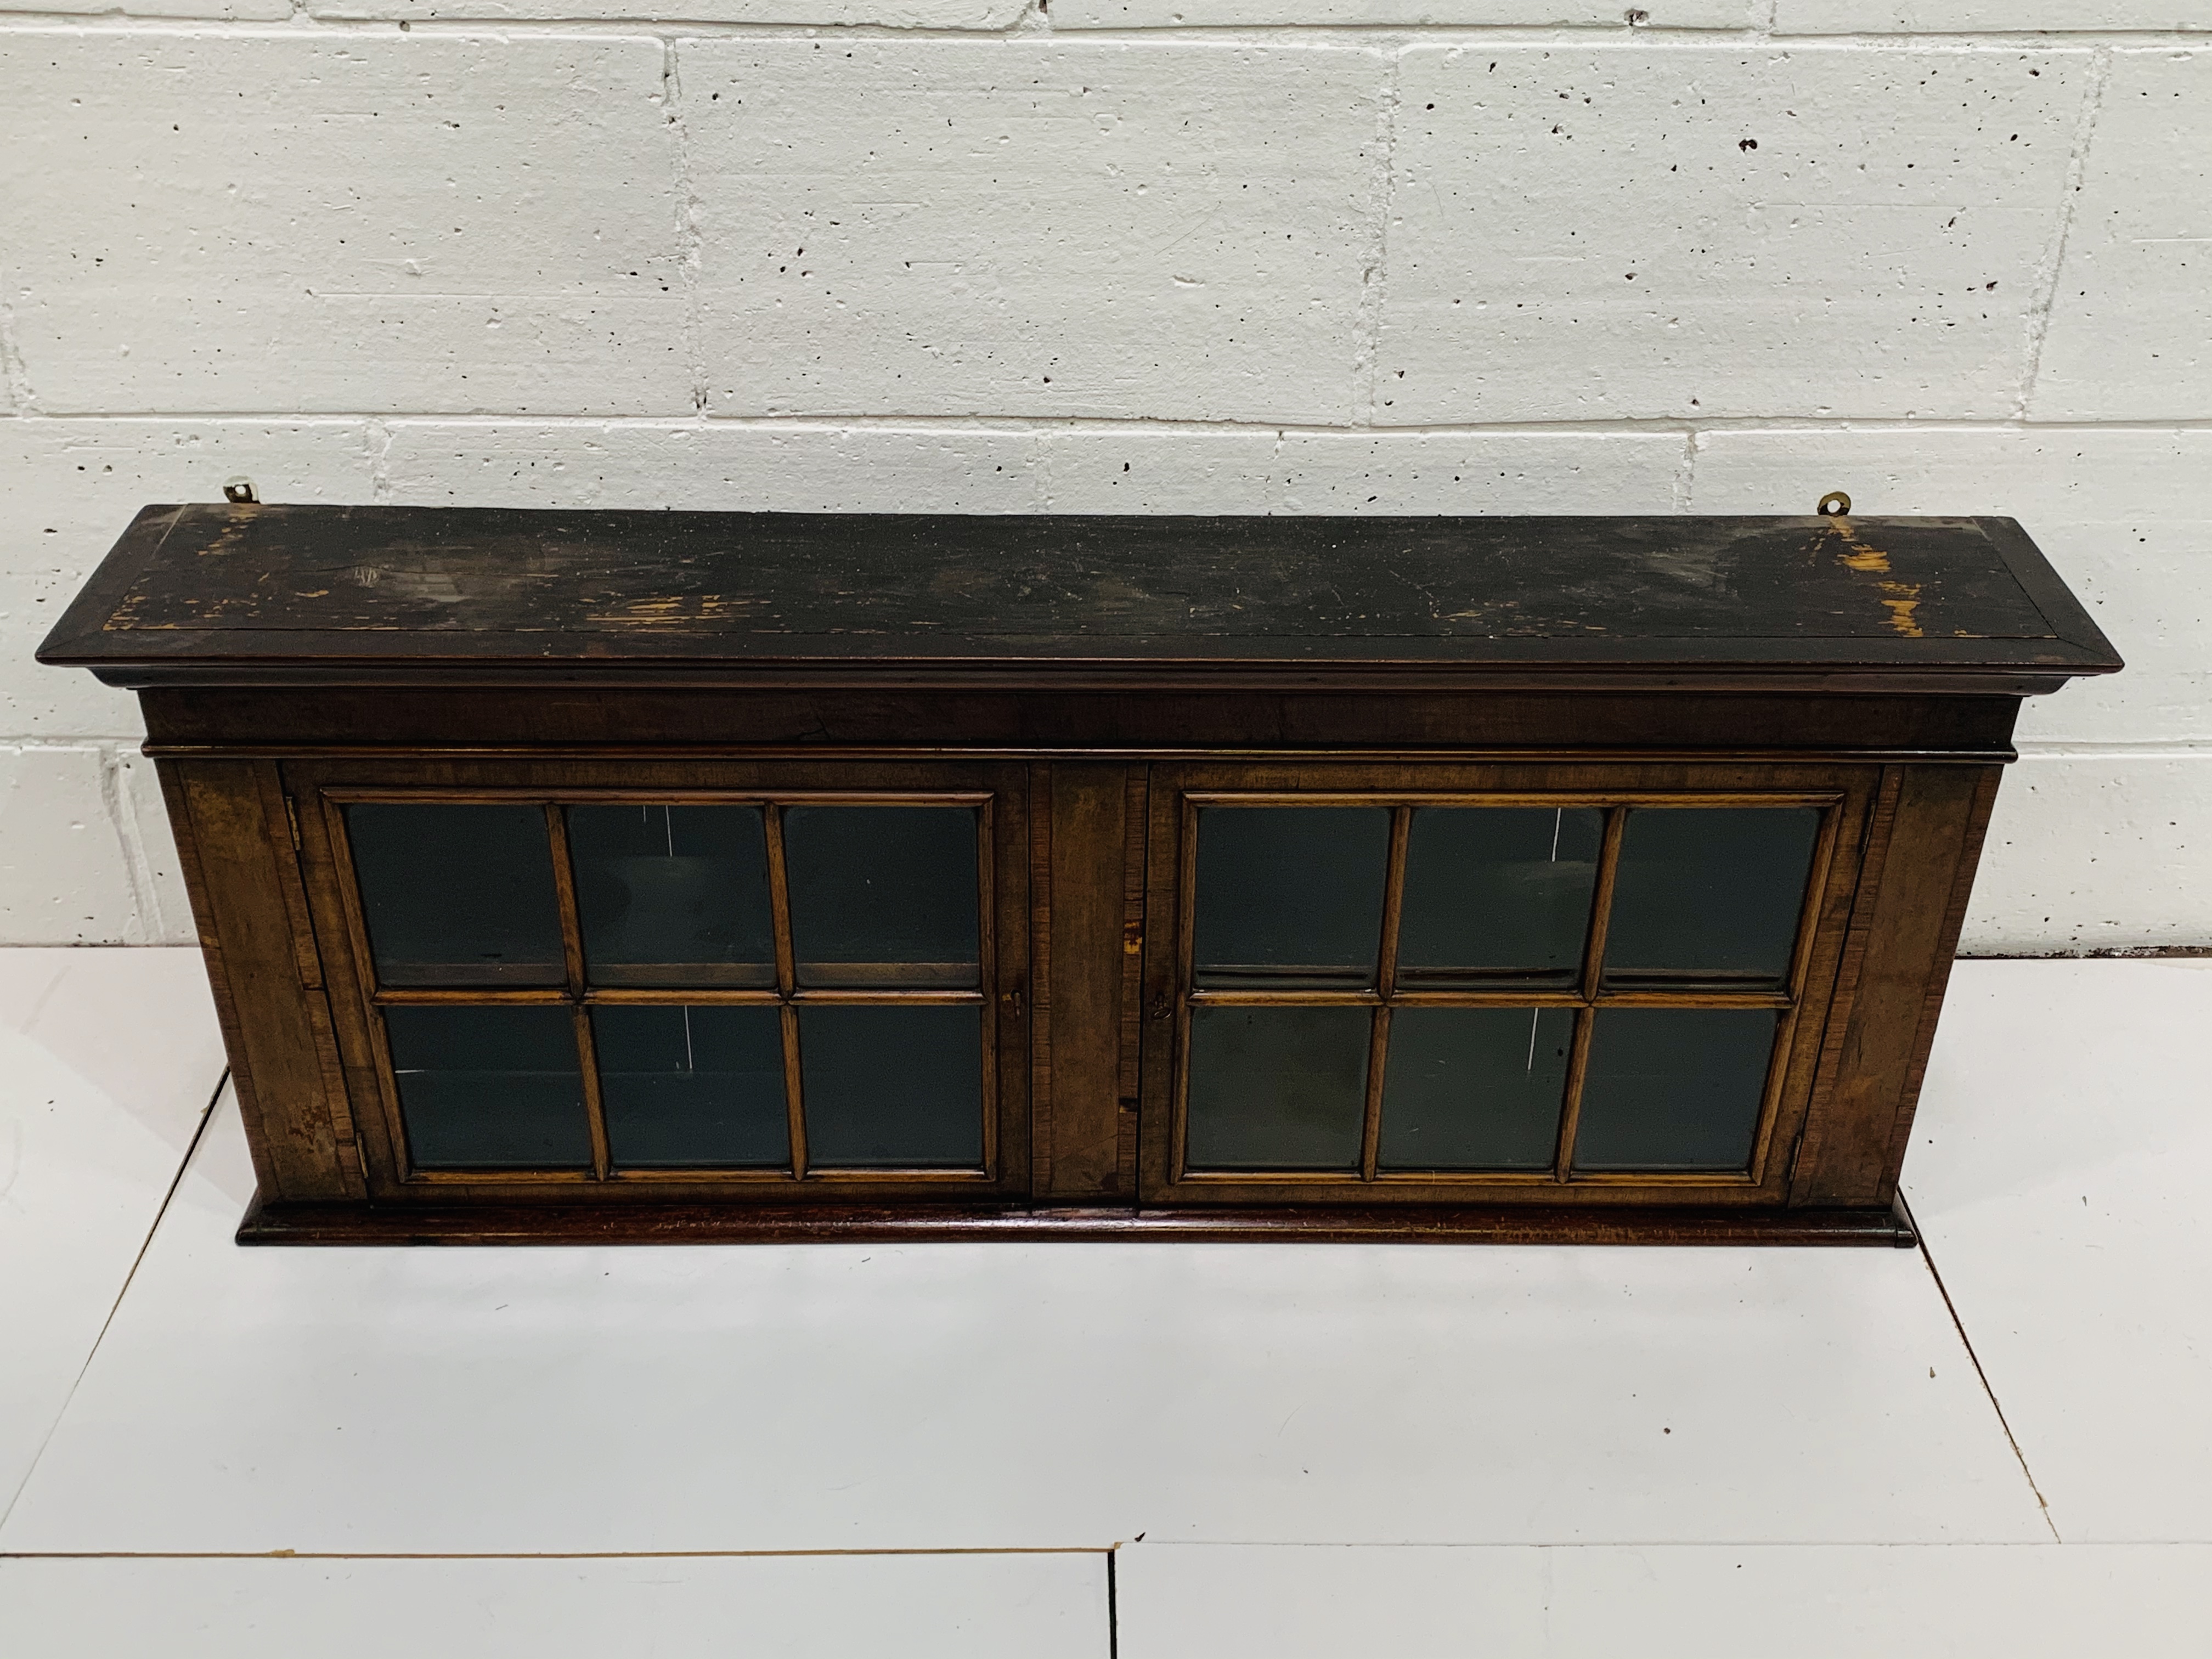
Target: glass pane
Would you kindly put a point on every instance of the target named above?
(884, 895)
(673, 894)
(1674, 1088)
(1289, 895)
(1277, 1088)
(457, 895)
(1474, 1088)
(1709, 895)
(490, 1088)
(1498, 897)
(692, 1086)
(891, 1087)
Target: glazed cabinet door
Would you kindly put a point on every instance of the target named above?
(1548, 983)
(767, 982)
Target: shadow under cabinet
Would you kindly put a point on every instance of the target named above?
(627, 876)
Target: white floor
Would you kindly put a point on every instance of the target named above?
(1158, 1452)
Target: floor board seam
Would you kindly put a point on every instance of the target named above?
(177, 1180)
(1113, 1608)
(2042, 1503)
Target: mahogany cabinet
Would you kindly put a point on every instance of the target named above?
(660, 876)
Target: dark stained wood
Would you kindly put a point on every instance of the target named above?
(1044, 1136)
(1158, 1017)
(1085, 683)
(221, 592)
(324, 786)
(1845, 793)
(1904, 934)
(1088, 801)
(1939, 978)
(580, 721)
(1004, 874)
(356, 1032)
(1136, 817)
(237, 854)
(270, 1223)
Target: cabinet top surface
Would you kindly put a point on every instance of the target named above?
(209, 593)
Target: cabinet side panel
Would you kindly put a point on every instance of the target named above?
(1136, 815)
(176, 800)
(1853, 1148)
(244, 866)
(1089, 835)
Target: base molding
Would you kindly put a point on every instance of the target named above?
(280, 1223)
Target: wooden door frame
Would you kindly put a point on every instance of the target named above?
(319, 791)
(1846, 791)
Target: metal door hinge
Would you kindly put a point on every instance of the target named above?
(1011, 1004)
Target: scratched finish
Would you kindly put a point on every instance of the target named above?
(224, 581)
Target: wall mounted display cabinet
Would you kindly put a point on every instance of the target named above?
(731, 876)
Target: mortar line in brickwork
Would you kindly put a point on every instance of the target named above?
(137, 864)
(376, 438)
(2113, 749)
(690, 237)
(2054, 258)
(396, 423)
(1011, 424)
(15, 379)
(1367, 36)
(1041, 489)
(1367, 354)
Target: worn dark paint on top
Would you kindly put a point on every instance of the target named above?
(221, 581)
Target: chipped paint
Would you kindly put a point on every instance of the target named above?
(674, 610)
(1904, 601)
(1900, 599)
(1858, 555)
(233, 533)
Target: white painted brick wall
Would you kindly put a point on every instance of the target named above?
(2130, 329)
(70, 486)
(341, 221)
(1715, 231)
(1033, 227)
(65, 872)
(2016, 16)
(889, 14)
(720, 466)
(1526, 14)
(1266, 256)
